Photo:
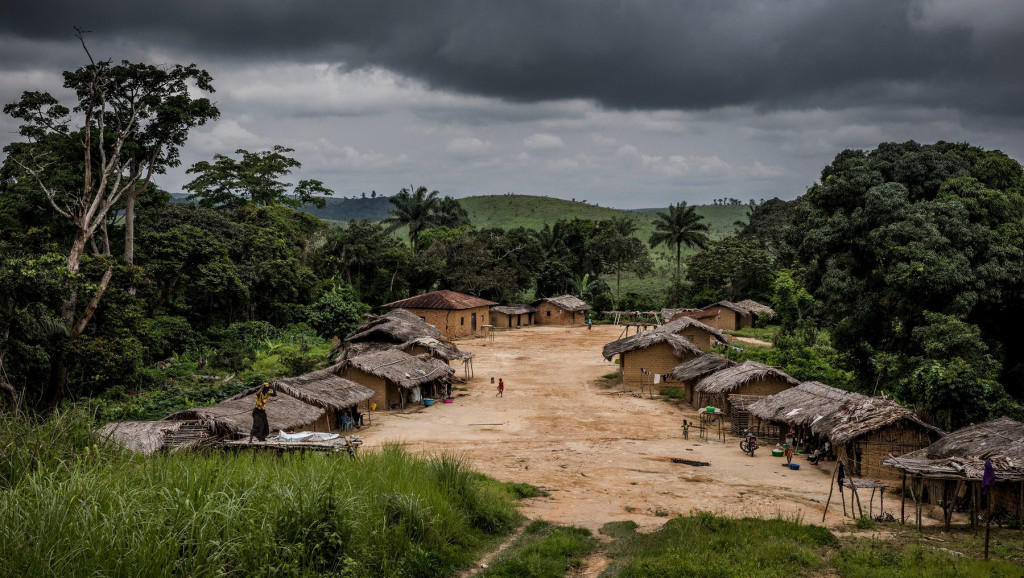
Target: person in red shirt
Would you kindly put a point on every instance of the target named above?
(501, 388)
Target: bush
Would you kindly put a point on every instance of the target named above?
(337, 312)
(167, 335)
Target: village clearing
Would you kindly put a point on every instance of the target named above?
(602, 456)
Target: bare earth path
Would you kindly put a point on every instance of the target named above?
(602, 457)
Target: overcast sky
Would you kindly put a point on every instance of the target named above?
(624, 103)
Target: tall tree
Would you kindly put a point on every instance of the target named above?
(254, 179)
(418, 209)
(128, 124)
(681, 225)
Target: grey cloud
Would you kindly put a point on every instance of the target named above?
(623, 54)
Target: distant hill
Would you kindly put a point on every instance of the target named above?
(530, 211)
(510, 211)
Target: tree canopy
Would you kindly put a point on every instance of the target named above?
(254, 178)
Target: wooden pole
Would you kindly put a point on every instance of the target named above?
(988, 521)
(832, 486)
(903, 500)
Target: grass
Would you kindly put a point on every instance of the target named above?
(543, 551)
(707, 545)
(673, 393)
(73, 508)
(763, 333)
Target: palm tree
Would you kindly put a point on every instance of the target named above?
(550, 238)
(681, 225)
(416, 209)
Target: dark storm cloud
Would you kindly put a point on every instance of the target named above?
(626, 55)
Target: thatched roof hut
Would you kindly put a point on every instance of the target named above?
(962, 454)
(701, 367)
(863, 430)
(436, 348)
(324, 388)
(566, 302)
(233, 416)
(649, 353)
(562, 310)
(680, 345)
(727, 315)
(510, 316)
(747, 378)
(395, 376)
(694, 370)
(957, 461)
(756, 309)
(396, 326)
(700, 334)
(148, 437)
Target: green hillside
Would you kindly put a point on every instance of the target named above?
(510, 211)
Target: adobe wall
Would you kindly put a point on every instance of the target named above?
(384, 394)
(698, 337)
(455, 323)
(658, 358)
(506, 321)
(768, 386)
(551, 314)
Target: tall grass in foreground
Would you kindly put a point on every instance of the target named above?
(707, 545)
(106, 512)
(543, 551)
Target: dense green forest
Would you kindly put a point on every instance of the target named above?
(899, 271)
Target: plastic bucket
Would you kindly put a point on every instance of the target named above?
(448, 400)
(794, 466)
(777, 453)
(373, 407)
(428, 402)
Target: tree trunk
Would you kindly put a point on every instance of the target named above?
(129, 227)
(679, 248)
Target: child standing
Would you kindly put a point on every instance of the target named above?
(501, 388)
(686, 430)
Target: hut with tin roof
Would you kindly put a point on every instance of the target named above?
(454, 314)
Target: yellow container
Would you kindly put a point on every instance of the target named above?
(373, 407)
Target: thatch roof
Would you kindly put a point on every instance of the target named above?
(644, 339)
(756, 308)
(324, 388)
(736, 307)
(521, 309)
(402, 369)
(699, 368)
(670, 314)
(443, 299)
(836, 414)
(682, 323)
(146, 437)
(234, 415)
(436, 347)
(732, 378)
(567, 302)
(397, 326)
(962, 454)
(697, 314)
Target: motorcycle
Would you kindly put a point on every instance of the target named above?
(749, 443)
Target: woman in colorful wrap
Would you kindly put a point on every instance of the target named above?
(260, 425)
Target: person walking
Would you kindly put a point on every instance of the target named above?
(501, 388)
(260, 425)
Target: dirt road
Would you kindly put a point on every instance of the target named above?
(602, 456)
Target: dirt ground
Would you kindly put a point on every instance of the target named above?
(602, 456)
